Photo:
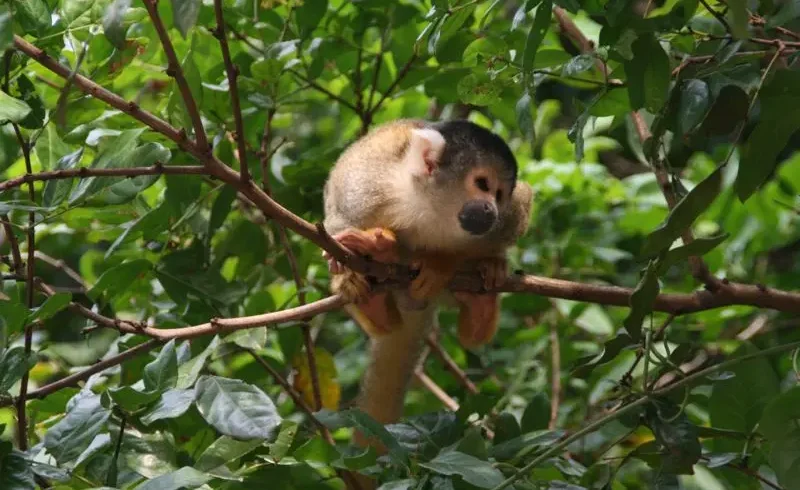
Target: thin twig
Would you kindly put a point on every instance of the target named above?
(717, 15)
(175, 71)
(397, 79)
(81, 173)
(555, 375)
(233, 74)
(436, 390)
(62, 266)
(450, 364)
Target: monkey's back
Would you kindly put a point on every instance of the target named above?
(356, 193)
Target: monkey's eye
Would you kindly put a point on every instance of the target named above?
(498, 195)
(482, 184)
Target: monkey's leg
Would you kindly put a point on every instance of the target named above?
(479, 313)
(375, 313)
(435, 271)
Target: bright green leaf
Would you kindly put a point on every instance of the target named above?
(236, 408)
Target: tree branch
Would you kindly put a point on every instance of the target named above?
(157, 169)
(233, 74)
(175, 71)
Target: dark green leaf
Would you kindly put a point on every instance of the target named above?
(185, 477)
(119, 278)
(162, 373)
(15, 470)
(131, 399)
(537, 414)
(32, 15)
(738, 18)
(698, 248)
(28, 93)
(784, 457)
(55, 191)
(173, 403)
(113, 22)
(614, 102)
(12, 109)
(85, 418)
(775, 126)
(729, 109)
(694, 102)
(611, 348)
(473, 470)
(280, 448)
(184, 14)
(738, 403)
(677, 434)
(368, 426)
(684, 214)
(781, 413)
(6, 33)
(52, 305)
(236, 408)
(648, 74)
(642, 300)
(13, 366)
(188, 372)
(224, 450)
(541, 22)
(309, 14)
(316, 449)
(509, 449)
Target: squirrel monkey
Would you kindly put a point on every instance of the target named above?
(437, 196)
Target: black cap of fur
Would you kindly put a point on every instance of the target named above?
(467, 142)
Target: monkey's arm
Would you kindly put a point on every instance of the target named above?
(479, 313)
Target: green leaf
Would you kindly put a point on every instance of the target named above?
(614, 102)
(479, 89)
(729, 109)
(280, 448)
(113, 19)
(611, 348)
(112, 155)
(13, 366)
(12, 109)
(317, 450)
(775, 126)
(173, 403)
(737, 403)
(52, 305)
(131, 399)
(235, 408)
(738, 18)
(119, 278)
(541, 23)
(6, 31)
(309, 14)
(183, 478)
(28, 93)
(693, 105)
(50, 148)
(33, 16)
(784, 457)
(473, 470)
(15, 470)
(162, 373)
(648, 74)
(537, 414)
(684, 214)
(642, 300)
(116, 190)
(677, 434)
(55, 191)
(224, 450)
(85, 418)
(184, 14)
(781, 413)
(368, 426)
(698, 248)
(509, 449)
(189, 371)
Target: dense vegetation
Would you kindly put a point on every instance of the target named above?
(150, 335)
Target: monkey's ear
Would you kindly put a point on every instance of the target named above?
(425, 150)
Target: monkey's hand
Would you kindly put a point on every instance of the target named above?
(376, 313)
(480, 312)
(435, 271)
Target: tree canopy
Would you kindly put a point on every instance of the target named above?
(165, 315)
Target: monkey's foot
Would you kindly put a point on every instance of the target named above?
(434, 274)
(351, 286)
(493, 271)
(477, 318)
(380, 244)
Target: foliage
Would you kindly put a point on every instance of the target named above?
(660, 138)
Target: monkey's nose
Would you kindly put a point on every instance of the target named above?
(477, 216)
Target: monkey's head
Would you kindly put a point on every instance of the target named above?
(466, 171)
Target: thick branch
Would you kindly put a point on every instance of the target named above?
(175, 71)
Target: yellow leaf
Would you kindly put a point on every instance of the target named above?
(326, 374)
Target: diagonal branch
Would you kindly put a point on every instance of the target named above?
(233, 74)
(175, 71)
